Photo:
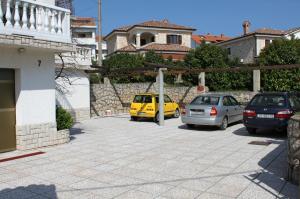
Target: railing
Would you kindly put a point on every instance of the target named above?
(81, 59)
(35, 19)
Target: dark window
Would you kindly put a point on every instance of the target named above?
(143, 42)
(229, 51)
(226, 101)
(206, 100)
(267, 43)
(152, 39)
(269, 101)
(233, 101)
(143, 99)
(174, 39)
(167, 99)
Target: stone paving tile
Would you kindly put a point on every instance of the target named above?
(119, 158)
(212, 196)
(181, 193)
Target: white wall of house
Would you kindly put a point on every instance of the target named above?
(35, 88)
(73, 94)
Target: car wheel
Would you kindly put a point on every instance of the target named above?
(251, 130)
(133, 118)
(224, 124)
(190, 126)
(177, 113)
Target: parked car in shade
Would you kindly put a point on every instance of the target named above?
(212, 110)
(270, 111)
(147, 106)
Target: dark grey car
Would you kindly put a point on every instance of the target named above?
(212, 110)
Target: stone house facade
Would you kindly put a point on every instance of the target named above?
(169, 40)
(249, 46)
(30, 36)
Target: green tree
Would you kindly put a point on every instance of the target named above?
(211, 56)
(281, 52)
(152, 57)
(125, 60)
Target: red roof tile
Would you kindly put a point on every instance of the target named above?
(209, 38)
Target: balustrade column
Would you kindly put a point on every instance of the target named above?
(17, 15)
(53, 21)
(46, 24)
(39, 18)
(24, 17)
(1, 15)
(8, 15)
(59, 22)
(32, 17)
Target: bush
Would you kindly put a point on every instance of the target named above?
(64, 119)
(281, 52)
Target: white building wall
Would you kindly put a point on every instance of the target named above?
(35, 88)
(74, 97)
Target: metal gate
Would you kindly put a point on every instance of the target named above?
(7, 110)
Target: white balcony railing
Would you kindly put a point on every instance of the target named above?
(81, 59)
(35, 19)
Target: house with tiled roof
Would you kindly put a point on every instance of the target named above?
(197, 40)
(163, 37)
(248, 46)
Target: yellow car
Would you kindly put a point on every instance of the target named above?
(146, 106)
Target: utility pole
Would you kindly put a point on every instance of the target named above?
(100, 33)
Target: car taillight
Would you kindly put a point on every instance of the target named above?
(214, 111)
(286, 114)
(249, 113)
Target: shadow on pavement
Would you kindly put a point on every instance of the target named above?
(31, 191)
(204, 128)
(272, 178)
(74, 132)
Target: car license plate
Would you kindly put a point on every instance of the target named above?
(141, 114)
(267, 116)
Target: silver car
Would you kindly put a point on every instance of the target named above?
(212, 110)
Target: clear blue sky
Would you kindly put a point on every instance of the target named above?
(213, 16)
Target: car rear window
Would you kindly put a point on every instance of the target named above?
(269, 101)
(206, 100)
(142, 99)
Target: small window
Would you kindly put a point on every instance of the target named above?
(233, 101)
(229, 51)
(267, 43)
(167, 99)
(143, 99)
(174, 39)
(226, 101)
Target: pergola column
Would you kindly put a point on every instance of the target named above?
(256, 80)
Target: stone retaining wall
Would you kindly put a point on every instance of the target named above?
(80, 115)
(40, 135)
(294, 149)
(112, 99)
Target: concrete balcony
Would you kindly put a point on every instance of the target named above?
(81, 59)
(35, 20)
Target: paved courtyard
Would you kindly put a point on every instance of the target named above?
(116, 158)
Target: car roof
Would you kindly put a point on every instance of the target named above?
(215, 94)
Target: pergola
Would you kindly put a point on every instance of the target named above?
(158, 70)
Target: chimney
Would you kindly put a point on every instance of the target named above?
(246, 27)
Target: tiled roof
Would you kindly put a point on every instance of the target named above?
(292, 30)
(209, 38)
(156, 47)
(166, 47)
(129, 48)
(268, 31)
(165, 24)
(83, 21)
(262, 31)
